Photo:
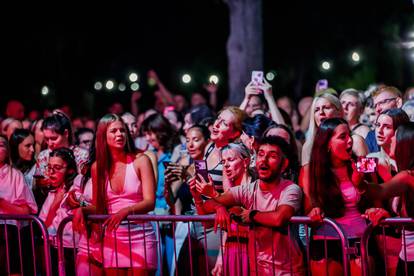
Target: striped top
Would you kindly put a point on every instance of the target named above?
(216, 172)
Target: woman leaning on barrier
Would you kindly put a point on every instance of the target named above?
(80, 196)
(180, 200)
(61, 170)
(236, 161)
(15, 198)
(402, 185)
(333, 191)
(123, 184)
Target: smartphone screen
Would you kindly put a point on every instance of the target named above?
(257, 77)
(201, 168)
(366, 164)
(322, 84)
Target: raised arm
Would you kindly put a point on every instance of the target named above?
(273, 109)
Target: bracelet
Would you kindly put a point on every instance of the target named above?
(252, 214)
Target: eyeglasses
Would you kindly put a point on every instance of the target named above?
(55, 168)
(384, 102)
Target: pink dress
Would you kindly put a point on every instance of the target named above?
(135, 246)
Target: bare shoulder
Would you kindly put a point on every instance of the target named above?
(150, 154)
(362, 130)
(142, 159)
(93, 168)
(359, 146)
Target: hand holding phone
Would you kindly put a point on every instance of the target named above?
(201, 168)
(366, 164)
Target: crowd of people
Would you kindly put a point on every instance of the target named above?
(255, 166)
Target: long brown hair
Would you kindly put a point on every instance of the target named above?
(324, 189)
(103, 157)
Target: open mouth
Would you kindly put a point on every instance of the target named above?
(263, 168)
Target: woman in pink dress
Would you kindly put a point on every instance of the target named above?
(123, 184)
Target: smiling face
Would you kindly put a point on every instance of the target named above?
(324, 109)
(116, 135)
(270, 162)
(195, 143)
(152, 139)
(56, 171)
(234, 164)
(26, 148)
(340, 144)
(384, 130)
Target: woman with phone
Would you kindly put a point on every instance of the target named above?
(57, 132)
(333, 191)
(385, 128)
(180, 200)
(385, 132)
(61, 170)
(324, 106)
(402, 186)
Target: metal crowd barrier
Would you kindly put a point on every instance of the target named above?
(200, 264)
(401, 223)
(28, 257)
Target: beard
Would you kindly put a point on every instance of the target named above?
(276, 174)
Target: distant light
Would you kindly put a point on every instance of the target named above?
(326, 65)
(355, 57)
(134, 86)
(121, 87)
(213, 79)
(411, 34)
(98, 85)
(109, 85)
(270, 76)
(408, 44)
(151, 82)
(186, 78)
(45, 90)
(412, 56)
(133, 77)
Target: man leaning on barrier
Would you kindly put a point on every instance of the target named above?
(268, 204)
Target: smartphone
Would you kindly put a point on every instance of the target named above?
(322, 85)
(166, 163)
(257, 77)
(366, 164)
(201, 168)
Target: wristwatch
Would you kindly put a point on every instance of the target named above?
(252, 214)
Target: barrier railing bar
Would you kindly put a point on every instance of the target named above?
(45, 235)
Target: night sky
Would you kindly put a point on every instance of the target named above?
(70, 48)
